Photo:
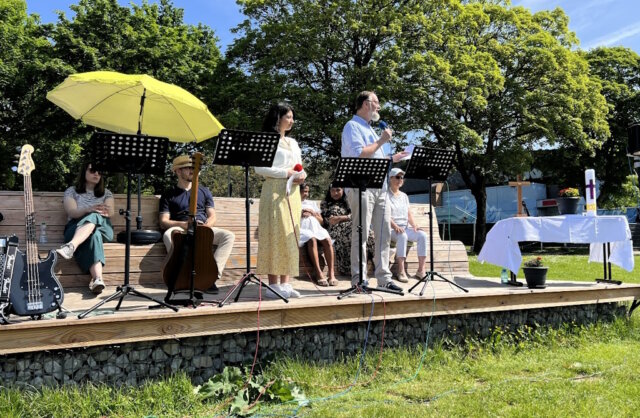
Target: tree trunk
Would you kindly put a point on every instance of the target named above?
(480, 194)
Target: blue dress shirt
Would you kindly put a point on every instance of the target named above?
(356, 135)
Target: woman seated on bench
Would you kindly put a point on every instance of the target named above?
(88, 206)
(312, 232)
(336, 215)
(403, 227)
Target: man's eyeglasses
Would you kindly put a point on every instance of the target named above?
(399, 177)
(375, 103)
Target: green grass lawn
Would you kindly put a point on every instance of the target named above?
(587, 372)
(563, 265)
(581, 372)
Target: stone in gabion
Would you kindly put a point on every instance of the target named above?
(176, 362)
(201, 362)
(101, 356)
(171, 348)
(52, 367)
(71, 364)
(158, 355)
(122, 361)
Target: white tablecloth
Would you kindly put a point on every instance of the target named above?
(501, 246)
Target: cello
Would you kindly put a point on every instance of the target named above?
(190, 264)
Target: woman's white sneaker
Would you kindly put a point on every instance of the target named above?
(293, 293)
(268, 294)
(66, 251)
(96, 285)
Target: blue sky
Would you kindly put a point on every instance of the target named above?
(596, 22)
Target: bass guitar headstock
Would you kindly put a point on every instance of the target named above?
(25, 162)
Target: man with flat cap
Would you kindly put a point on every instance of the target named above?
(174, 213)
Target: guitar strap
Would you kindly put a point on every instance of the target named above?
(7, 262)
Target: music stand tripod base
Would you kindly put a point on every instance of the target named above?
(247, 149)
(131, 154)
(248, 278)
(430, 164)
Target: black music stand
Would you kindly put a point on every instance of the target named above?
(362, 174)
(246, 149)
(130, 154)
(430, 164)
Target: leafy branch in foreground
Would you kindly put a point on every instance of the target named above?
(230, 384)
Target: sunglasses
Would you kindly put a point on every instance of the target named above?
(399, 177)
(93, 170)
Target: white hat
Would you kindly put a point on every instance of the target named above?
(395, 171)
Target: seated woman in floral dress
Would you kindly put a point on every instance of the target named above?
(336, 214)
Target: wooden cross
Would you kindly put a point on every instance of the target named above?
(519, 184)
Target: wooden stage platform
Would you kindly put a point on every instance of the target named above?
(317, 306)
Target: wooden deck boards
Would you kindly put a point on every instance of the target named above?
(135, 322)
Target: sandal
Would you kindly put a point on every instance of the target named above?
(333, 282)
(322, 282)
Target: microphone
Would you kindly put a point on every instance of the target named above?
(386, 147)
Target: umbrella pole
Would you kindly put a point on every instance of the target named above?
(140, 237)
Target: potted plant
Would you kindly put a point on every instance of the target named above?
(535, 273)
(568, 201)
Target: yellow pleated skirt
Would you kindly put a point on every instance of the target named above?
(277, 242)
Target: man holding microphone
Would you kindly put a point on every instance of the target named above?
(359, 140)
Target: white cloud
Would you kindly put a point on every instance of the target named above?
(614, 37)
(535, 4)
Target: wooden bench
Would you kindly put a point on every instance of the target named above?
(146, 260)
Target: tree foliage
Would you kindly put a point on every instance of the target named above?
(27, 72)
(494, 83)
(102, 35)
(317, 55)
(618, 69)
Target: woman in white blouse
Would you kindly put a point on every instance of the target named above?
(403, 227)
(279, 213)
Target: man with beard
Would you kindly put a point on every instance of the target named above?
(359, 140)
(174, 213)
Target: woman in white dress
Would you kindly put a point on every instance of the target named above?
(279, 218)
(403, 227)
(312, 233)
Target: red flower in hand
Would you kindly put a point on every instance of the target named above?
(297, 167)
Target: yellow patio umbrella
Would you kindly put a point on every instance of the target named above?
(133, 103)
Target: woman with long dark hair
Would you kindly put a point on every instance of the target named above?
(336, 215)
(88, 206)
(279, 223)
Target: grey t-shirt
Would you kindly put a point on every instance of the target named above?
(87, 199)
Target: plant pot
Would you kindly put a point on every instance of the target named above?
(568, 205)
(536, 277)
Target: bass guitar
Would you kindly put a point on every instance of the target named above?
(190, 264)
(35, 289)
